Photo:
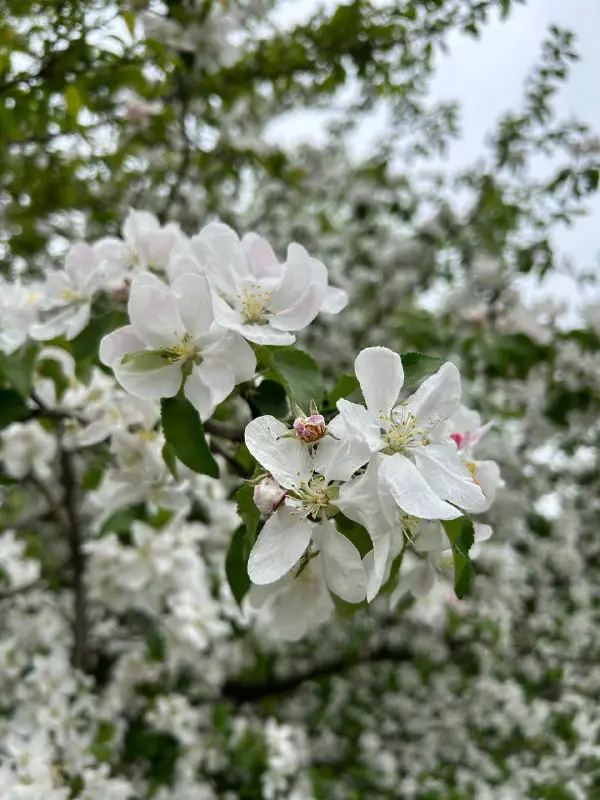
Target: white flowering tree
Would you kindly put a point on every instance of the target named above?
(273, 522)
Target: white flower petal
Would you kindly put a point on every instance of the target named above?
(217, 376)
(227, 317)
(342, 565)
(430, 537)
(302, 313)
(138, 224)
(116, 344)
(361, 423)
(422, 579)
(261, 259)
(287, 460)
(410, 490)
(381, 375)
(438, 397)
(300, 270)
(279, 546)
(338, 459)
(81, 265)
(235, 352)
(148, 376)
(199, 394)
(447, 475)
(335, 300)
(487, 474)
(195, 303)
(154, 313)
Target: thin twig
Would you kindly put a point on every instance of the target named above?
(238, 468)
(224, 431)
(17, 590)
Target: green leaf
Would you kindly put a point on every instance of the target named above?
(249, 513)
(236, 561)
(356, 533)
(184, 431)
(236, 565)
(347, 387)
(73, 100)
(345, 609)
(462, 535)
(170, 459)
(51, 369)
(418, 366)
(17, 368)
(297, 372)
(12, 407)
(270, 398)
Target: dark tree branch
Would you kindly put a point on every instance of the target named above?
(224, 431)
(248, 692)
(237, 467)
(24, 589)
(77, 562)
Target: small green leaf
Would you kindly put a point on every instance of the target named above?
(50, 368)
(73, 100)
(236, 565)
(462, 535)
(296, 371)
(347, 387)
(249, 513)
(184, 431)
(17, 368)
(170, 459)
(418, 366)
(356, 533)
(270, 398)
(12, 407)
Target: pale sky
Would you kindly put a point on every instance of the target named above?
(486, 77)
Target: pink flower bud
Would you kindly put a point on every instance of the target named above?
(310, 429)
(459, 438)
(268, 496)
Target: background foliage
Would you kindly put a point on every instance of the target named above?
(164, 106)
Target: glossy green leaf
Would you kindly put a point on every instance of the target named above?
(184, 431)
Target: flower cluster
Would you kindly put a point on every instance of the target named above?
(396, 468)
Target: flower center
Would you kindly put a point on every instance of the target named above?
(315, 496)
(69, 296)
(253, 305)
(403, 431)
(185, 351)
(310, 429)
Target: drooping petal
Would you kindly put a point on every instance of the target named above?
(335, 300)
(361, 424)
(154, 314)
(410, 490)
(217, 376)
(116, 344)
(430, 537)
(195, 303)
(233, 350)
(449, 477)
(487, 474)
(148, 376)
(381, 375)
(342, 565)
(279, 546)
(199, 394)
(438, 397)
(287, 460)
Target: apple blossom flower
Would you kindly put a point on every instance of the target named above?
(146, 245)
(423, 476)
(311, 491)
(18, 313)
(255, 295)
(67, 295)
(172, 337)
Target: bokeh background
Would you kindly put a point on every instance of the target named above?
(442, 158)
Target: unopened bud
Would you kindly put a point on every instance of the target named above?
(268, 496)
(310, 429)
(459, 439)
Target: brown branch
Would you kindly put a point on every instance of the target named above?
(17, 590)
(224, 431)
(248, 692)
(77, 562)
(238, 468)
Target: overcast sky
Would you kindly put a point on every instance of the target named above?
(486, 77)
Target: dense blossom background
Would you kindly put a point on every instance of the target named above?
(127, 668)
